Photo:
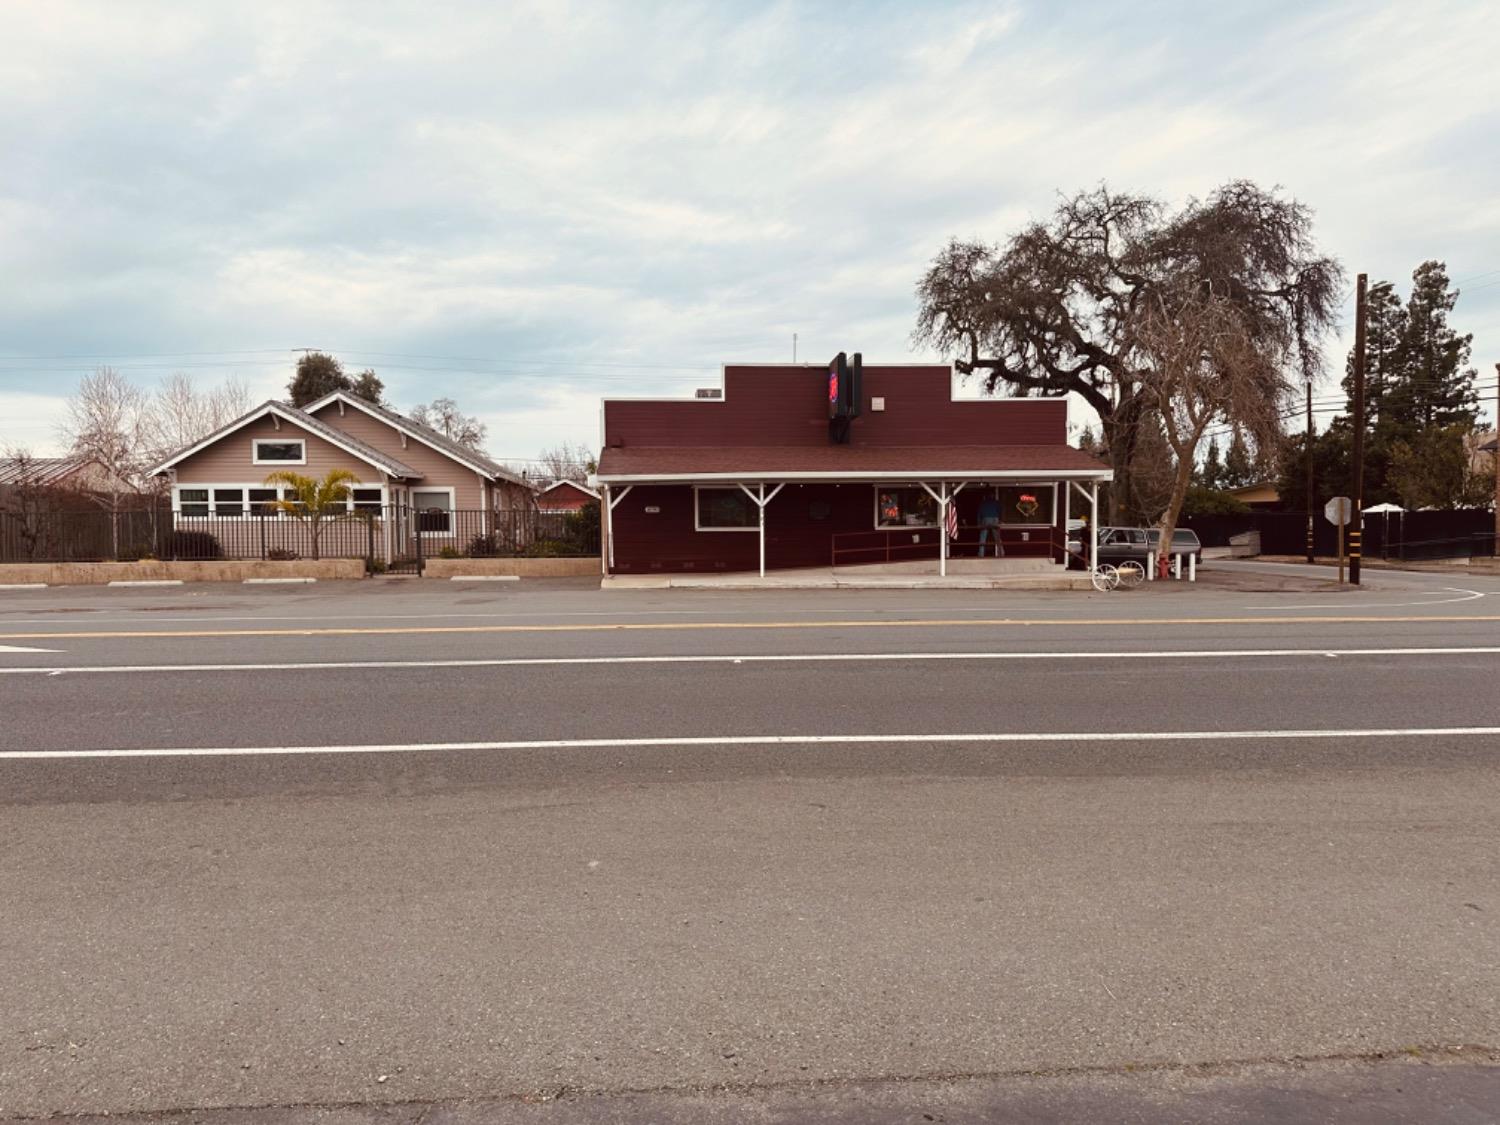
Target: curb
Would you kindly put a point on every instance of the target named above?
(485, 578)
(272, 581)
(147, 582)
(23, 585)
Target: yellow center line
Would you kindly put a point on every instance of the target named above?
(678, 626)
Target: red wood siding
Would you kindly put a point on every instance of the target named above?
(789, 406)
(667, 541)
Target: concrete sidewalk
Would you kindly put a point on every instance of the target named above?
(963, 574)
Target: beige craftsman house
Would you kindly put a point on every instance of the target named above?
(400, 465)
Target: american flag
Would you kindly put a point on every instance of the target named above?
(952, 520)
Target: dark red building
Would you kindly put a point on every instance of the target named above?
(760, 477)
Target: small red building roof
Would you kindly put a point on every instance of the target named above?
(627, 464)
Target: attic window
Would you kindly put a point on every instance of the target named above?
(292, 451)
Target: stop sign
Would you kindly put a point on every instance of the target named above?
(1339, 510)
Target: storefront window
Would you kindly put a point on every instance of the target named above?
(904, 506)
(725, 509)
(1026, 504)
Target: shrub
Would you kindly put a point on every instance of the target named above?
(450, 553)
(484, 547)
(549, 549)
(375, 566)
(282, 554)
(192, 545)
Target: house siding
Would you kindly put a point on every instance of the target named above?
(230, 460)
(801, 525)
(438, 469)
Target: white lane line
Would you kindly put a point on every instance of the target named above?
(1468, 596)
(750, 658)
(996, 738)
(19, 648)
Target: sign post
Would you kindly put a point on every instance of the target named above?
(1337, 511)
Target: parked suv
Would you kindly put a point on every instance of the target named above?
(1117, 544)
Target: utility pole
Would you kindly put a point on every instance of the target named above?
(1356, 518)
(1312, 494)
(1496, 460)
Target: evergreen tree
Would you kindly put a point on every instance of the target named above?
(1436, 387)
(1211, 475)
(1385, 338)
(317, 374)
(1239, 466)
(368, 386)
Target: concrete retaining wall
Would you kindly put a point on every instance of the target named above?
(96, 574)
(524, 568)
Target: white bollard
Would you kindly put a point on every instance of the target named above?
(1150, 566)
(1192, 568)
(1177, 567)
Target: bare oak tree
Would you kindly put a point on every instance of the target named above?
(178, 413)
(444, 416)
(1201, 363)
(1052, 311)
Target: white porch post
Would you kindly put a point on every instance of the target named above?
(760, 499)
(760, 511)
(1094, 527)
(1067, 491)
(943, 498)
(609, 537)
(607, 556)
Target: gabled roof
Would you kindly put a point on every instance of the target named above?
(444, 444)
(301, 419)
(41, 471)
(544, 489)
(627, 464)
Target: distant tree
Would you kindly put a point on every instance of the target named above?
(444, 416)
(178, 413)
(368, 386)
(1436, 469)
(317, 374)
(314, 502)
(1211, 474)
(1201, 501)
(572, 461)
(1436, 384)
(105, 421)
(1239, 465)
(1051, 312)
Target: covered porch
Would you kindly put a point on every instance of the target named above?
(827, 526)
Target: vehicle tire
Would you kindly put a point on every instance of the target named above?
(1131, 573)
(1105, 578)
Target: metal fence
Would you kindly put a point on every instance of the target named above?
(392, 538)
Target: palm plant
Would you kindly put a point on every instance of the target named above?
(314, 502)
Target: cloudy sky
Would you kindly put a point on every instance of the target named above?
(528, 205)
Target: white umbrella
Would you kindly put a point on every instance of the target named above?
(1384, 512)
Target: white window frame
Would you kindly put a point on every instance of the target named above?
(875, 500)
(255, 444)
(753, 528)
(452, 531)
(246, 503)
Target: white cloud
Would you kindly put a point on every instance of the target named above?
(523, 186)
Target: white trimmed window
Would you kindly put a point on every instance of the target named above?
(724, 509)
(279, 451)
(253, 501)
(434, 508)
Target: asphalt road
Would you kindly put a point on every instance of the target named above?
(408, 842)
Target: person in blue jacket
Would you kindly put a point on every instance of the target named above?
(989, 524)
